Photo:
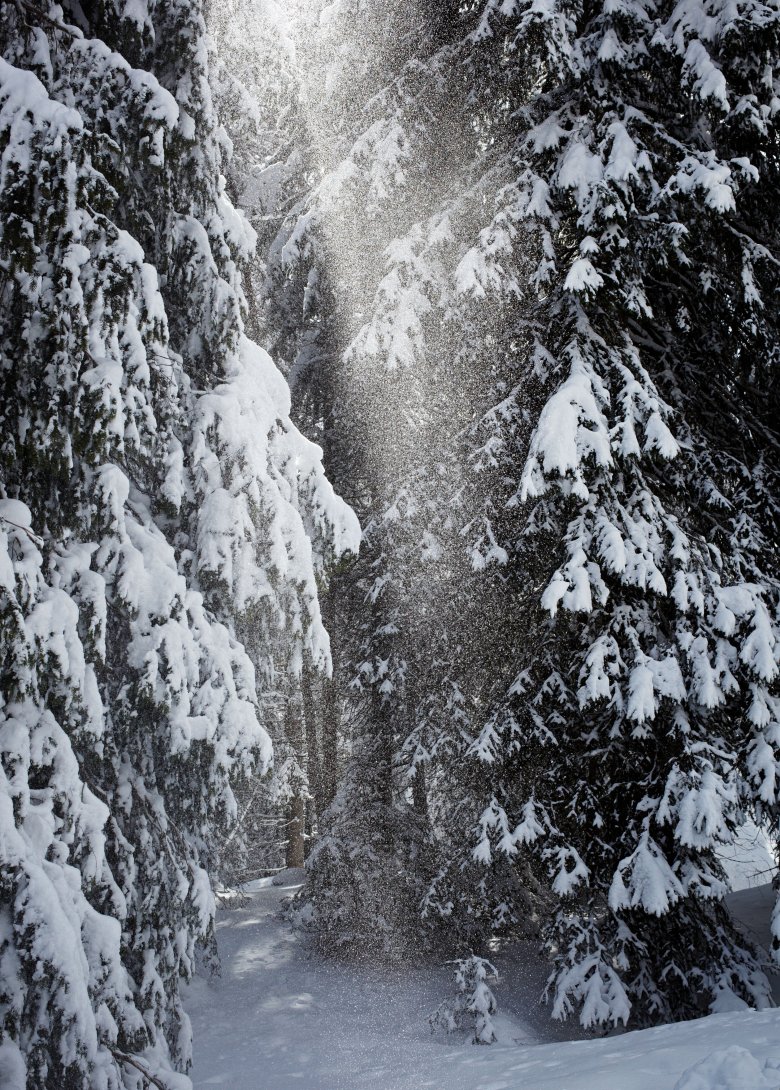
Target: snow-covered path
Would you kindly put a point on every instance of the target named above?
(280, 1018)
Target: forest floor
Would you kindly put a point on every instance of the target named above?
(281, 1018)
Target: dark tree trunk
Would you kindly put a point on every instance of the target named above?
(420, 793)
(331, 710)
(313, 763)
(296, 813)
(296, 810)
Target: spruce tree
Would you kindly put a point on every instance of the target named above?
(638, 730)
(157, 507)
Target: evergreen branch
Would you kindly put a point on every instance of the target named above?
(25, 530)
(760, 252)
(151, 1080)
(39, 13)
(240, 820)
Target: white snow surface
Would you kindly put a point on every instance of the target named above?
(280, 1017)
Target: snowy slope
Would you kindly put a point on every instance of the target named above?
(280, 1018)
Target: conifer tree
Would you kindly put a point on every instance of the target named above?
(638, 729)
(352, 375)
(157, 507)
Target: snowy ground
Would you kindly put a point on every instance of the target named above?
(279, 1019)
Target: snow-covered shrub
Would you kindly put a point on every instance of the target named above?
(473, 1005)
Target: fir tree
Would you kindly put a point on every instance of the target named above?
(629, 740)
(157, 507)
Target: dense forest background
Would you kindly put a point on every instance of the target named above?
(389, 457)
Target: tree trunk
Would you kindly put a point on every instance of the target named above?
(296, 810)
(313, 764)
(331, 709)
(419, 793)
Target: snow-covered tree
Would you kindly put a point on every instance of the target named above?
(361, 399)
(639, 727)
(474, 1004)
(262, 103)
(157, 507)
